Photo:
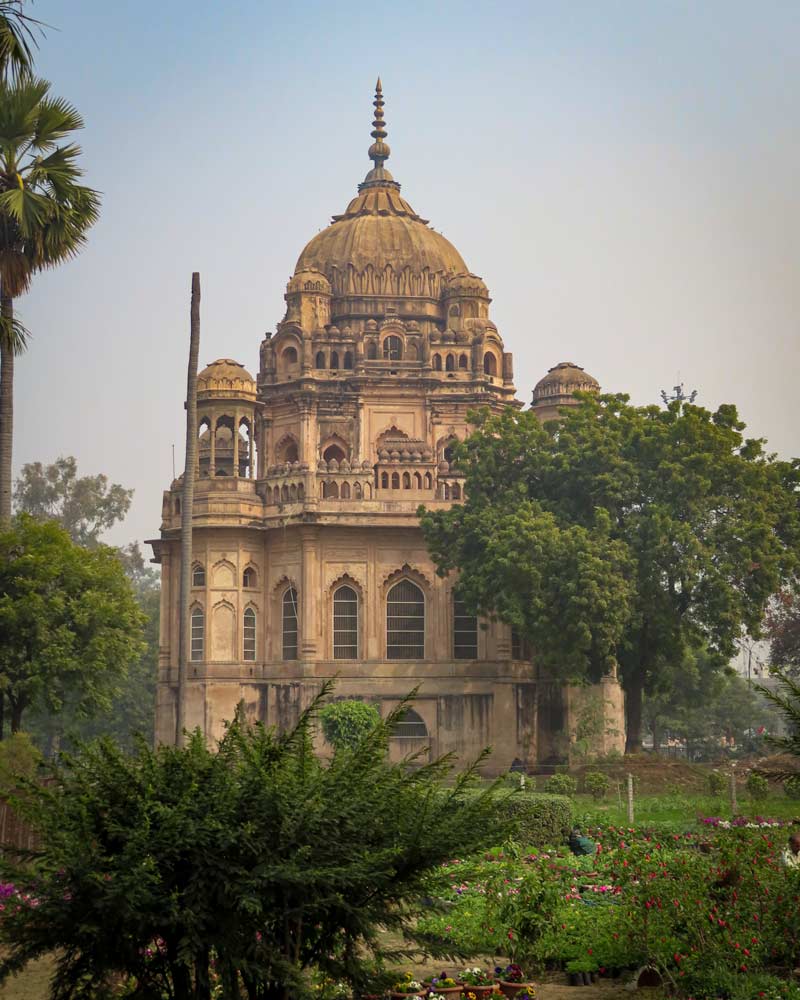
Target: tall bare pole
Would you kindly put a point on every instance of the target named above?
(187, 505)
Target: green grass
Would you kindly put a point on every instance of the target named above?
(680, 808)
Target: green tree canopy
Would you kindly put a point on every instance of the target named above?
(345, 723)
(85, 506)
(70, 625)
(256, 854)
(783, 630)
(621, 533)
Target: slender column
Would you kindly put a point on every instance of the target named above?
(309, 593)
(252, 442)
(212, 455)
(236, 442)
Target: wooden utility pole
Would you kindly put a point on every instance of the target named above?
(187, 505)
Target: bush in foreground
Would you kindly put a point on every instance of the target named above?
(256, 862)
(561, 784)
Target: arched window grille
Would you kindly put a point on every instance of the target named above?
(198, 634)
(249, 634)
(320, 362)
(437, 362)
(289, 631)
(450, 363)
(410, 726)
(489, 364)
(345, 624)
(393, 349)
(335, 360)
(405, 622)
(462, 361)
(198, 576)
(249, 578)
(465, 632)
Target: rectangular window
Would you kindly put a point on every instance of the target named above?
(290, 624)
(249, 634)
(465, 633)
(198, 631)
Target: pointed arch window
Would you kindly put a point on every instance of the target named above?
(465, 632)
(392, 349)
(198, 636)
(345, 623)
(289, 624)
(198, 575)
(249, 578)
(249, 634)
(405, 622)
(320, 360)
(335, 360)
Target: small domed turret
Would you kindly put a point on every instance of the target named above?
(558, 387)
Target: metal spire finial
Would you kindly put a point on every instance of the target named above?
(379, 150)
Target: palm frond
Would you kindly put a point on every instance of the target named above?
(17, 39)
(15, 333)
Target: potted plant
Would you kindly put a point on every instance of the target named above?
(443, 986)
(407, 987)
(478, 983)
(512, 980)
(581, 971)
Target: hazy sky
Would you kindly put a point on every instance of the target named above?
(624, 176)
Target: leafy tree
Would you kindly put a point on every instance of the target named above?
(256, 859)
(69, 622)
(346, 723)
(621, 534)
(45, 214)
(85, 506)
(783, 631)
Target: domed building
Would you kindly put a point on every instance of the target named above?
(557, 389)
(308, 560)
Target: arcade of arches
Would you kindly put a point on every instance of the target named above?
(308, 560)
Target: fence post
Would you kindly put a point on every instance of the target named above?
(734, 803)
(630, 799)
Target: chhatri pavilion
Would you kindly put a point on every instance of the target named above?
(308, 560)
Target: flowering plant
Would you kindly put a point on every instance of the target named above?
(442, 982)
(408, 985)
(529, 994)
(511, 974)
(476, 976)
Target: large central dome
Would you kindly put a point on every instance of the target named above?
(380, 231)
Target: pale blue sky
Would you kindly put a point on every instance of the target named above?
(623, 175)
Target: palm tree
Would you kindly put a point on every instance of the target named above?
(44, 217)
(17, 40)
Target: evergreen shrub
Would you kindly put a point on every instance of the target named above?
(561, 784)
(596, 784)
(717, 783)
(757, 786)
(537, 819)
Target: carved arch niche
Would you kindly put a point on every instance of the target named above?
(287, 450)
(223, 575)
(223, 632)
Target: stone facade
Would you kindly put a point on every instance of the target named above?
(308, 561)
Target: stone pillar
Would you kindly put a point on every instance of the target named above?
(310, 596)
(235, 470)
(508, 368)
(251, 458)
(212, 453)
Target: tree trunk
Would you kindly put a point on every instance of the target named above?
(6, 411)
(656, 736)
(633, 715)
(187, 507)
(16, 716)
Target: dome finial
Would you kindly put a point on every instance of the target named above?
(379, 150)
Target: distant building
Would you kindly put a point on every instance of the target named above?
(308, 558)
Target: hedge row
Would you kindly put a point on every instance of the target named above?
(536, 819)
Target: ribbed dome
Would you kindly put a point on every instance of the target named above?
(563, 380)
(380, 230)
(226, 378)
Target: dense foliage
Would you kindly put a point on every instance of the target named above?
(69, 622)
(254, 862)
(345, 723)
(783, 630)
(621, 535)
